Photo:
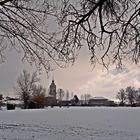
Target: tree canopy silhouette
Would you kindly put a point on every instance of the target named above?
(24, 27)
(26, 87)
(109, 28)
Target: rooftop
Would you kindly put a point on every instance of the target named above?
(99, 98)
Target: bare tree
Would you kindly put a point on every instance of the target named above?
(67, 95)
(138, 96)
(38, 95)
(131, 95)
(60, 94)
(25, 84)
(75, 100)
(111, 27)
(121, 95)
(24, 26)
(1, 97)
(86, 97)
(71, 95)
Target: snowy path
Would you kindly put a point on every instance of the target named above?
(97, 123)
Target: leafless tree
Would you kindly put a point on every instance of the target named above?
(60, 94)
(24, 27)
(138, 96)
(110, 29)
(25, 85)
(121, 95)
(1, 97)
(38, 90)
(38, 96)
(71, 95)
(75, 100)
(131, 95)
(67, 95)
(86, 97)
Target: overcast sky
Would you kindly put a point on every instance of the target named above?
(79, 79)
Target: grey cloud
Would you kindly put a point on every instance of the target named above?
(119, 71)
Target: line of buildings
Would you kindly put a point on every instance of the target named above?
(51, 100)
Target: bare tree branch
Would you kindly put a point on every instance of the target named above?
(52, 32)
(110, 29)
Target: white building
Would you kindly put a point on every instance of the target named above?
(100, 101)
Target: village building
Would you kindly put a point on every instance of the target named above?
(51, 99)
(100, 101)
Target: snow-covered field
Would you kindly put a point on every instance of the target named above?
(93, 123)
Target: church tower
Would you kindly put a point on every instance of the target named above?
(52, 91)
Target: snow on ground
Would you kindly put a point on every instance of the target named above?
(87, 123)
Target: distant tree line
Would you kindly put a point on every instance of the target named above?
(129, 96)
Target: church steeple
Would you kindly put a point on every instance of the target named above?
(52, 91)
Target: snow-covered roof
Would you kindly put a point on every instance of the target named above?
(99, 98)
(14, 102)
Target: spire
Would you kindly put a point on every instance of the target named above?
(52, 91)
(53, 78)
